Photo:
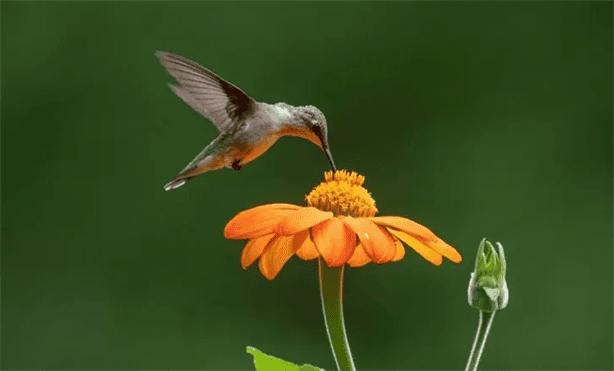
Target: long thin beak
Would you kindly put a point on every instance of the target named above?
(330, 157)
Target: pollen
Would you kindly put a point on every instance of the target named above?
(343, 194)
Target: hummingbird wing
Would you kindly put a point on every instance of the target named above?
(208, 94)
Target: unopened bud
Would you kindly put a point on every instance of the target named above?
(487, 288)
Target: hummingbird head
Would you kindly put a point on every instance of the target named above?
(315, 122)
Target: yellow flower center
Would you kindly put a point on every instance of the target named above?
(343, 194)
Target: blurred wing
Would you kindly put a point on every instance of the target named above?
(207, 93)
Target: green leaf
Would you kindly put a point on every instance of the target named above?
(265, 362)
(307, 367)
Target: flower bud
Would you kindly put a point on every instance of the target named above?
(487, 288)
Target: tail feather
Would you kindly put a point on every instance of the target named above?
(198, 166)
(182, 178)
(191, 172)
(175, 183)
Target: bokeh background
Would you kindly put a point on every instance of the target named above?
(481, 119)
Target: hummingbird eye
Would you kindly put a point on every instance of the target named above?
(317, 131)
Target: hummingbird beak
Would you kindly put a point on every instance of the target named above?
(330, 157)
(323, 143)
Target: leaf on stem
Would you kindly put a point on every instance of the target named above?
(265, 362)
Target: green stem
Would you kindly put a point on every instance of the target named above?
(331, 292)
(480, 337)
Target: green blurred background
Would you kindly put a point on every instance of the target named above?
(480, 119)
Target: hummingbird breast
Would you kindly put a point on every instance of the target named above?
(265, 127)
(249, 151)
(255, 137)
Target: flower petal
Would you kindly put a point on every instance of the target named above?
(256, 222)
(355, 225)
(277, 254)
(304, 246)
(334, 241)
(426, 252)
(376, 241)
(400, 254)
(405, 225)
(359, 258)
(302, 219)
(445, 250)
(254, 249)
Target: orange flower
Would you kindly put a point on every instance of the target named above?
(339, 225)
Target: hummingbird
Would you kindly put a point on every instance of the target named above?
(247, 128)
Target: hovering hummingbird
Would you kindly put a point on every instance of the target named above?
(247, 128)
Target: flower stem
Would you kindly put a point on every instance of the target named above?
(480, 337)
(331, 292)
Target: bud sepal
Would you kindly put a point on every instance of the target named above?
(488, 290)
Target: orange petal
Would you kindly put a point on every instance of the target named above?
(279, 251)
(445, 250)
(359, 258)
(249, 213)
(256, 222)
(400, 254)
(405, 225)
(334, 241)
(302, 219)
(426, 252)
(355, 225)
(254, 249)
(375, 240)
(304, 246)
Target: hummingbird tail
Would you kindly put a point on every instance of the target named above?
(175, 183)
(198, 166)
